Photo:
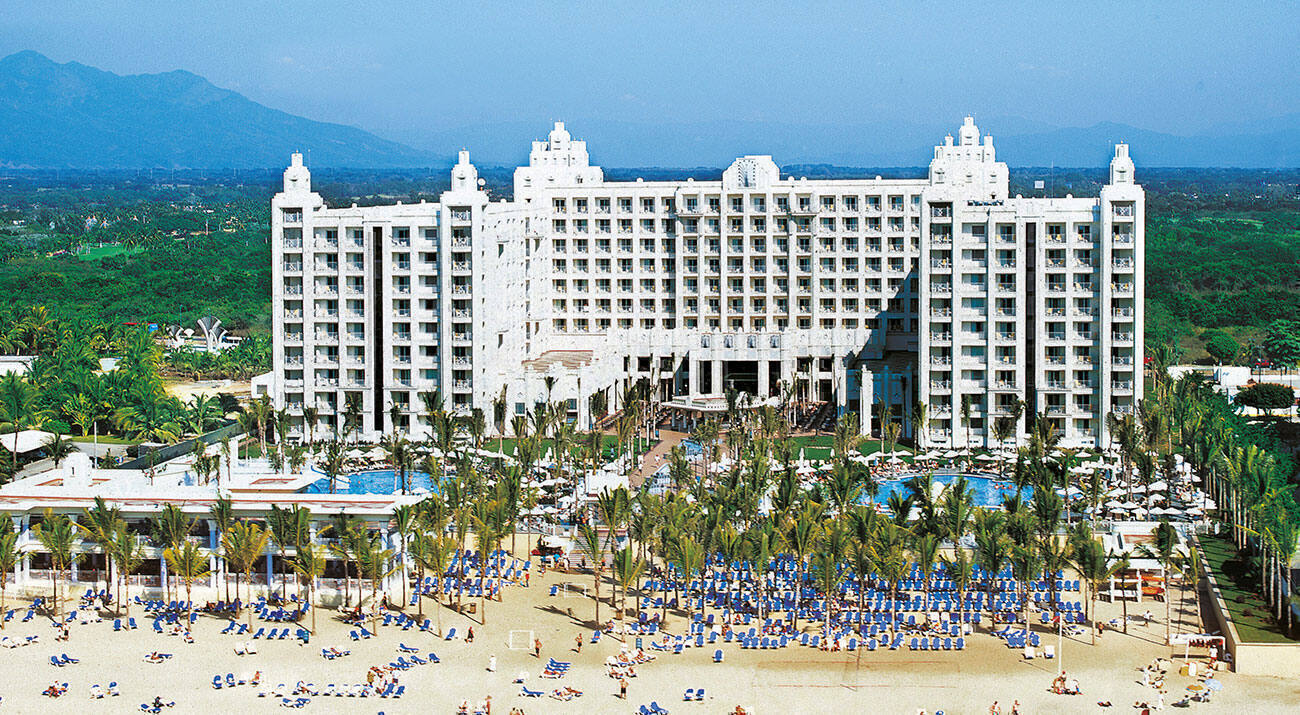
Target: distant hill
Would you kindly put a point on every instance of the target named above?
(72, 116)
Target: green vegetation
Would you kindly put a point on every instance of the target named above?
(1239, 586)
(1267, 396)
(65, 392)
(1229, 269)
(130, 254)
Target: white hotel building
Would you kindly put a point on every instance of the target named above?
(860, 290)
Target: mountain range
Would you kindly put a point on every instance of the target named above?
(74, 116)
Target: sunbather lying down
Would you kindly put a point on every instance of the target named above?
(566, 693)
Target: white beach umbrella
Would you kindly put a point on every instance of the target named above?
(1114, 504)
(1160, 486)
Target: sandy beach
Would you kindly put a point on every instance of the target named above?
(790, 680)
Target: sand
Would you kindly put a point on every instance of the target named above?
(790, 680)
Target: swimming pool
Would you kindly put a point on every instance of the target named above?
(985, 491)
(378, 481)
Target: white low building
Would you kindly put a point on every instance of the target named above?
(941, 288)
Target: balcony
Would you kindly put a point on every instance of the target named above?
(1122, 263)
(461, 337)
(293, 338)
(462, 385)
(1122, 385)
(1122, 312)
(461, 290)
(292, 314)
(941, 337)
(941, 312)
(293, 360)
(940, 361)
(1006, 336)
(293, 268)
(941, 288)
(327, 338)
(1122, 337)
(293, 243)
(461, 361)
(293, 290)
(1121, 288)
(402, 266)
(941, 385)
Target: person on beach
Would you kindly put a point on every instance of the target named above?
(622, 688)
(537, 648)
(492, 663)
(994, 709)
(578, 643)
(469, 635)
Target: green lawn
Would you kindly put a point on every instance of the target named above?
(95, 253)
(103, 439)
(1246, 608)
(819, 447)
(508, 444)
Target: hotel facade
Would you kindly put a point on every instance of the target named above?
(852, 292)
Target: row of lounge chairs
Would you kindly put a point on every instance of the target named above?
(62, 660)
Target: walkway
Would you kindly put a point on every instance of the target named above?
(654, 459)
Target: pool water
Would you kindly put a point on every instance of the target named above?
(985, 491)
(379, 481)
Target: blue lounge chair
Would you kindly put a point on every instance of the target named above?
(433, 657)
(451, 634)
(216, 682)
(117, 623)
(717, 656)
(525, 692)
(260, 632)
(689, 695)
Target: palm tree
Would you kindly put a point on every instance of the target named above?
(589, 539)
(404, 523)
(887, 551)
(433, 552)
(333, 463)
(1026, 565)
(245, 544)
(18, 410)
(310, 415)
(100, 522)
(627, 570)
(1164, 549)
(58, 536)
(309, 564)
(799, 534)
(374, 564)
(1095, 567)
(920, 418)
(281, 523)
(965, 417)
(222, 513)
(58, 448)
(127, 553)
(958, 567)
(170, 528)
(189, 564)
(925, 548)
(8, 560)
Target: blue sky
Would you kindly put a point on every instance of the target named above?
(411, 68)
